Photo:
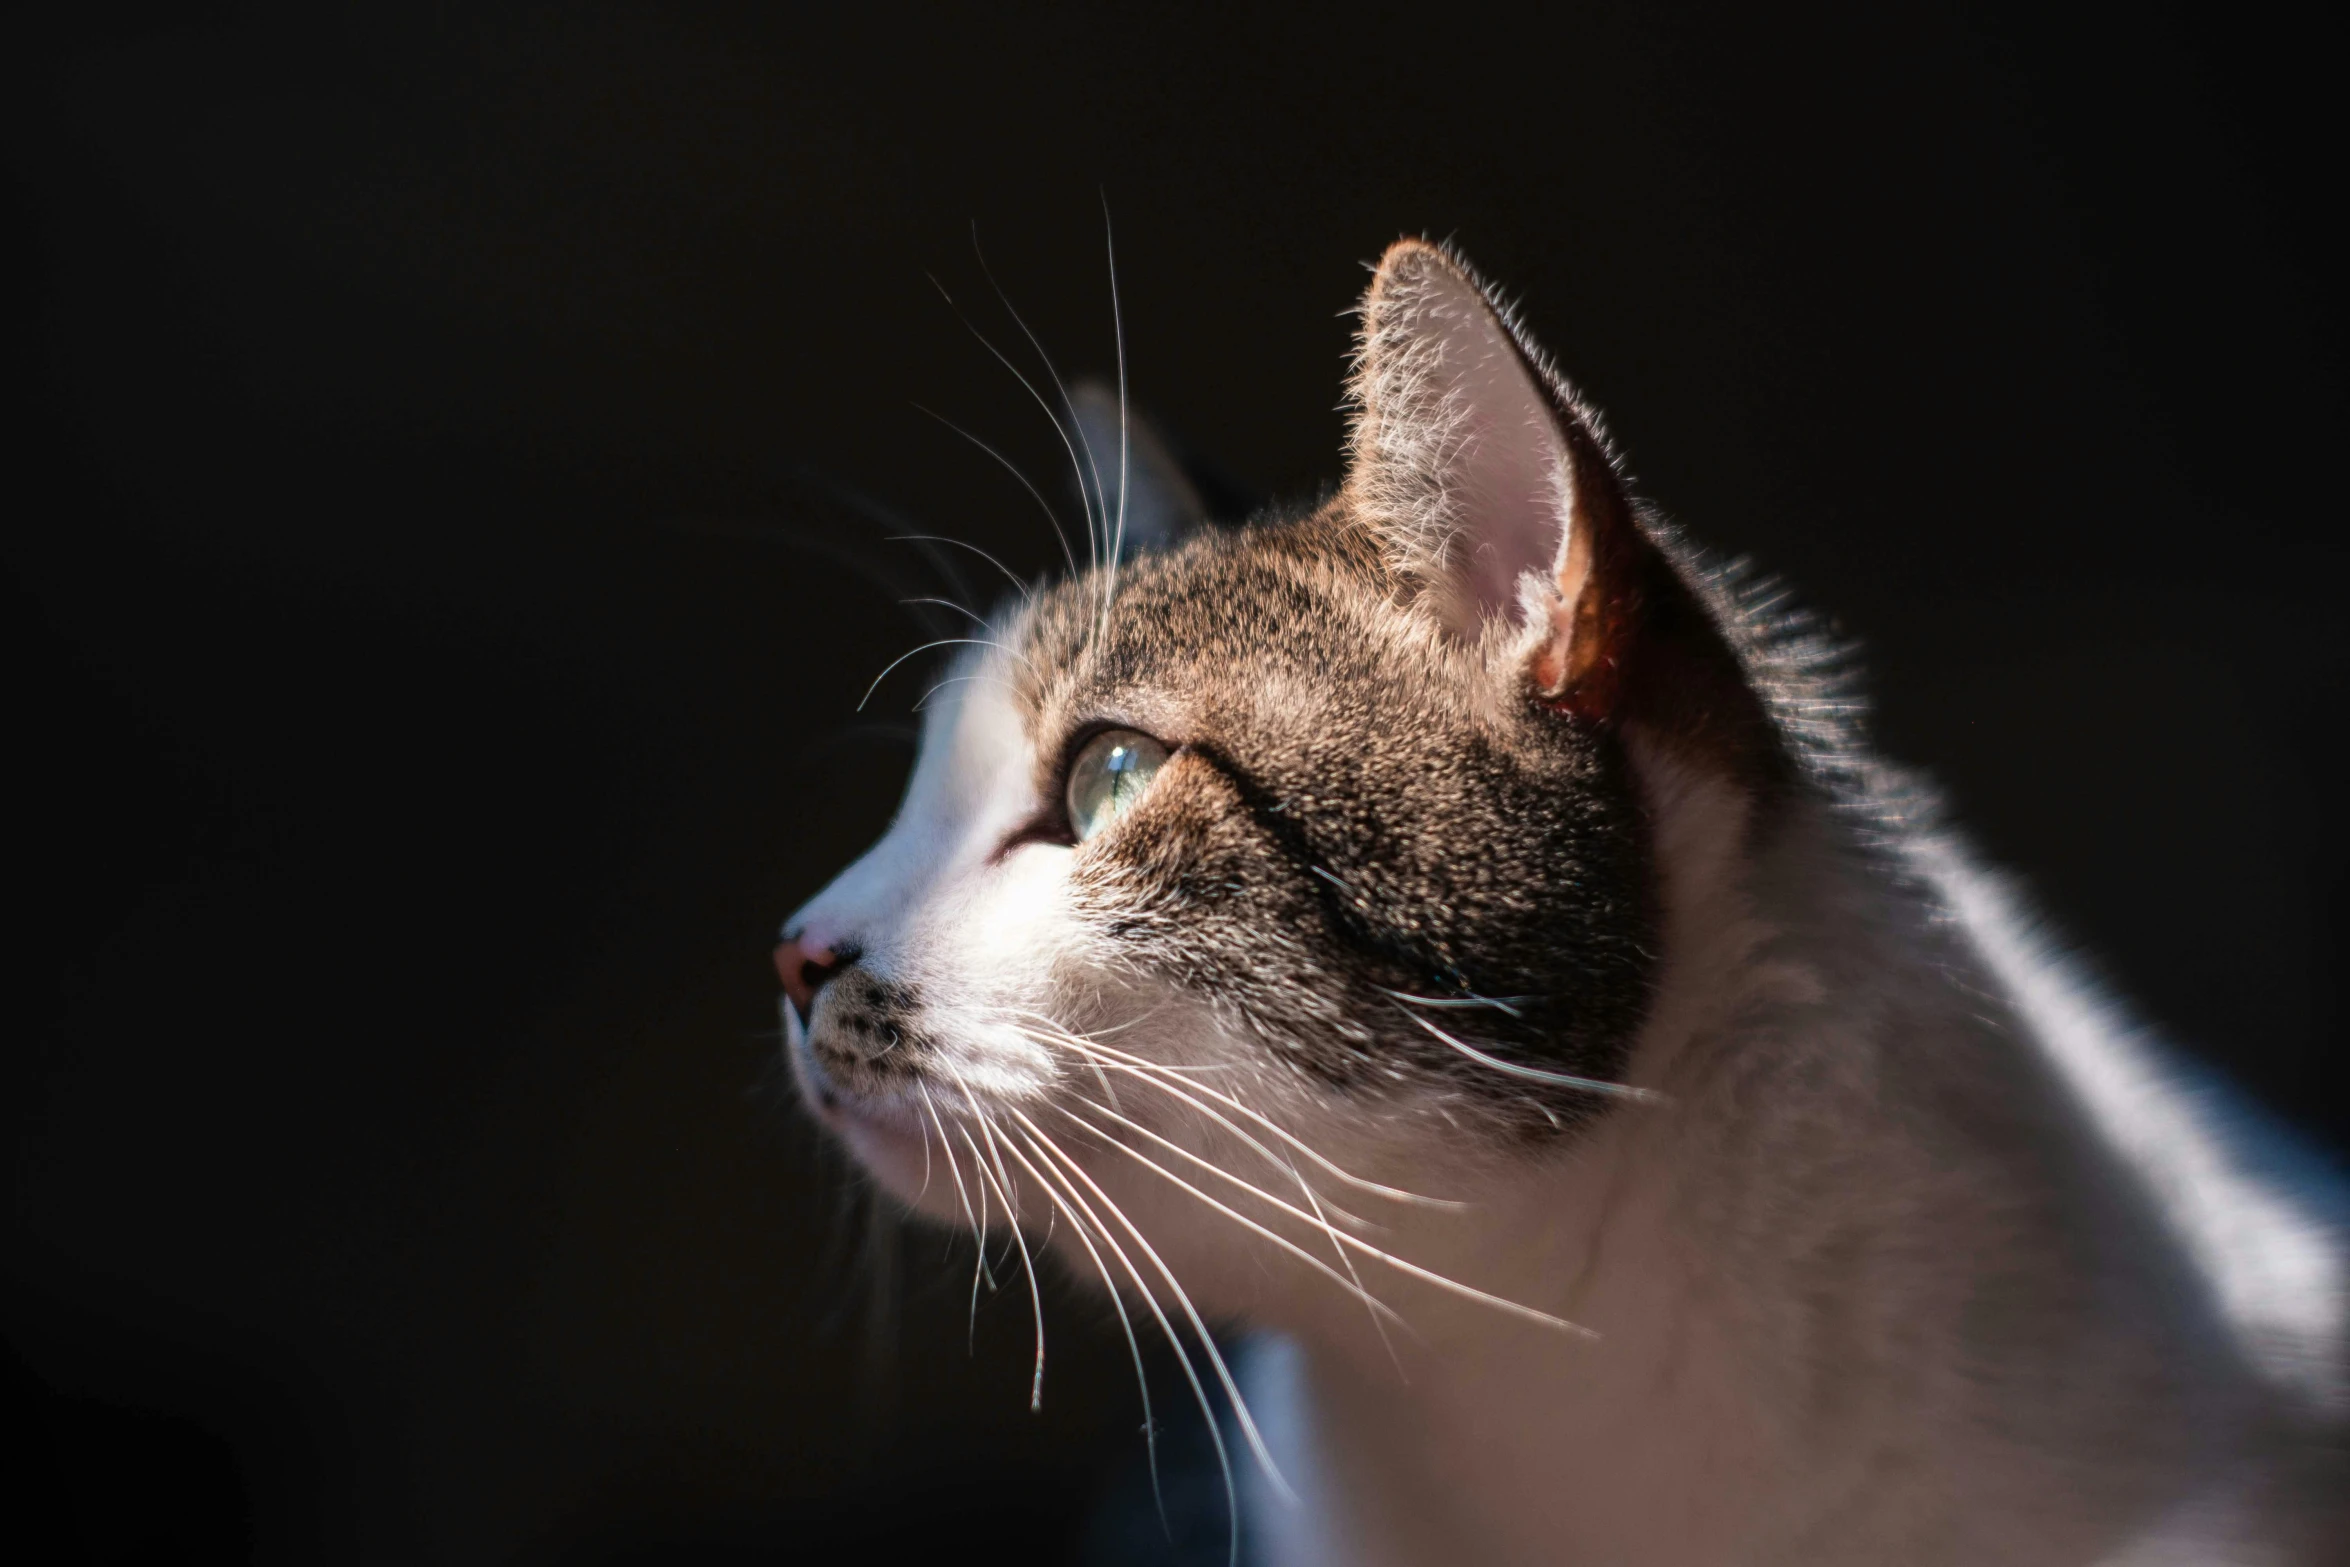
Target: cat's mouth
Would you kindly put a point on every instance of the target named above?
(890, 1132)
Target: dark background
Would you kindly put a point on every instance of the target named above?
(430, 685)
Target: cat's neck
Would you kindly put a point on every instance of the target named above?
(1864, 1260)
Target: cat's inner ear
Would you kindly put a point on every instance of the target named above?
(1138, 494)
(1488, 488)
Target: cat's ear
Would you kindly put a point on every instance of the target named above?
(1161, 504)
(1491, 489)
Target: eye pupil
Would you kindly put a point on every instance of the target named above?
(1108, 775)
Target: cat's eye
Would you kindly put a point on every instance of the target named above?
(1109, 775)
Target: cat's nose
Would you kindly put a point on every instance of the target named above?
(804, 969)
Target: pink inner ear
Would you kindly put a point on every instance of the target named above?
(1462, 465)
(1504, 481)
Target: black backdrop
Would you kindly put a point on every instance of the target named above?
(430, 682)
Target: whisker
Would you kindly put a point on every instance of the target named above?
(1092, 1064)
(1068, 406)
(1267, 1154)
(1012, 1216)
(1004, 1185)
(871, 510)
(1052, 1154)
(926, 647)
(1060, 533)
(1108, 1028)
(923, 700)
(976, 618)
(1455, 1286)
(1537, 1074)
(1150, 1434)
(1059, 429)
(1345, 1258)
(1508, 1004)
(883, 576)
(1147, 1070)
(1428, 1275)
(1118, 327)
(1027, 593)
(1042, 1020)
(1379, 1307)
(1248, 1424)
(925, 1191)
(979, 1268)
(954, 1167)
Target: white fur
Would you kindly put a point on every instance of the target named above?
(934, 904)
(2276, 1268)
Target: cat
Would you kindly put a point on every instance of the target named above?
(1457, 931)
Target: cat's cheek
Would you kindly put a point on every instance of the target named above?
(1009, 934)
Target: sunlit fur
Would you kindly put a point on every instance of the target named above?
(1655, 1139)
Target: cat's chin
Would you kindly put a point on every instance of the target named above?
(888, 1137)
(892, 1144)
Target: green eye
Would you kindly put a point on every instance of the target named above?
(1109, 775)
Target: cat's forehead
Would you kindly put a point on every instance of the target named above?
(1232, 618)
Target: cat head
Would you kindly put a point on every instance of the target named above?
(1321, 831)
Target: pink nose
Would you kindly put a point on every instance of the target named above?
(802, 969)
